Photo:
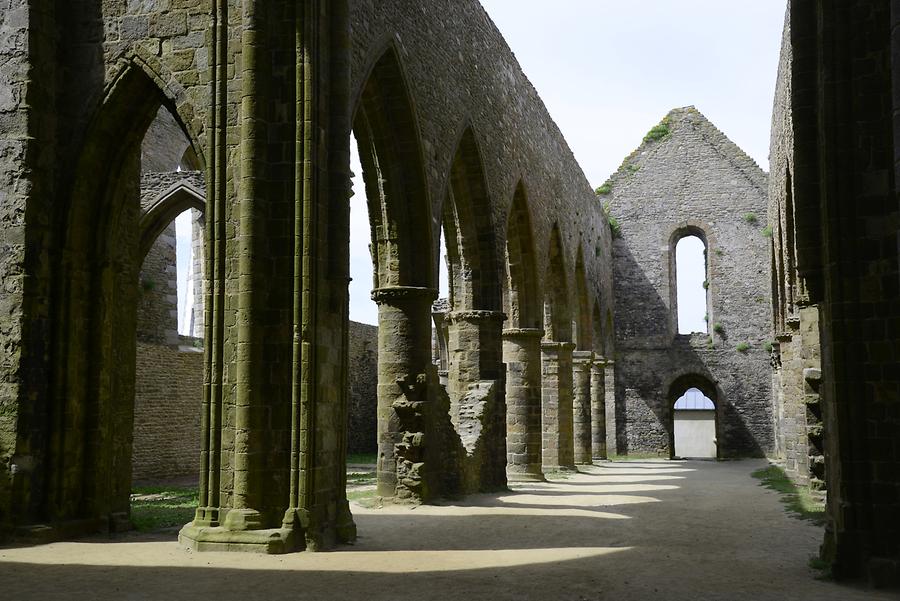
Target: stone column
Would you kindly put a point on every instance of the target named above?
(556, 405)
(612, 444)
(404, 356)
(439, 311)
(581, 409)
(598, 408)
(475, 387)
(522, 355)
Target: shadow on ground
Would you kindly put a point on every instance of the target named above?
(653, 530)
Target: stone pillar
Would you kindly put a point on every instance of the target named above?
(522, 355)
(581, 410)
(598, 408)
(612, 441)
(475, 387)
(404, 355)
(556, 405)
(439, 311)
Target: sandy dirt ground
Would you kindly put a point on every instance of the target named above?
(619, 531)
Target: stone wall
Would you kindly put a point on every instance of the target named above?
(795, 321)
(687, 178)
(14, 190)
(844, 107)
(363, 382)
(167, 411)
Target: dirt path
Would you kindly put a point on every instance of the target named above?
(621, 531)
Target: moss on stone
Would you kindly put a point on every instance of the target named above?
(658, 131)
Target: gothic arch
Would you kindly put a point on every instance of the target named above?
(557, 311)
(166, 207)
(88, 449)
(582, 317)
(469, 231)
(522, 305)
(597, 330)
(386, 129)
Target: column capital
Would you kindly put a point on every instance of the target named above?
(394, 294)
(523, 333)
(476, 315)
(583, 357)
(559, 347)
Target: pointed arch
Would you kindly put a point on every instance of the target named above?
(598, 334)
(469, 232)
(557, 310)
(94, 305)
(582, 318)
(390, 152)
(523, 304)
(164, 208)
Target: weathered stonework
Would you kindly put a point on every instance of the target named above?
(363, 383)
(835, 167)
(691, 180)
(453, 136)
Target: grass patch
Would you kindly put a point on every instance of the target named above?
(364, 458)
(822, 567)
(614, 226)
(358, 495)
(361, 478)
(743, 347)
(750, 218)
(159, 507)
(658, 132)
(603, 190)
(798, 501)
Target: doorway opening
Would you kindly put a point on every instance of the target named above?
(694, 426)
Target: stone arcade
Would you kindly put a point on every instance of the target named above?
(543, 368)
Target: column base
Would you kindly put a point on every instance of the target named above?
(559, 468)
(515, 476)
(272, 541)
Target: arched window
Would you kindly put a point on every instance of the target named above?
(691, 285)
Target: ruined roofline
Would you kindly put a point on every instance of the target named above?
(710, 134)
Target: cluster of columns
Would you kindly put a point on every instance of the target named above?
(554, 401)
(556, 405)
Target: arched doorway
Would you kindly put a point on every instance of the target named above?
(693, 427)
(104, 239)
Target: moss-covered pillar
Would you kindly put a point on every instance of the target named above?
(522, 355)
(404, 359)
(598, 408)
(249, 393)
(556, 405)
(581, 407)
